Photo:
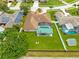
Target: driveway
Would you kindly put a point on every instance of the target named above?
(35, 6)
(16, 7)
(9, 4)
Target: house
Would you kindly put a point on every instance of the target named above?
(70, 24)
(38, 22)
(8, 20)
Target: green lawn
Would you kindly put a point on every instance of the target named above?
(45, 43)
(70, 1)
(66, 36)
(73, 11)
(51, 3)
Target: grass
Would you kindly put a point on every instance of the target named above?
(73, 11)
(27, 4)
(53, 54)
(45, 43)
(70, 1)
(66, 36)
(51, 3)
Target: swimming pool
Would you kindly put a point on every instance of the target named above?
(68, 32)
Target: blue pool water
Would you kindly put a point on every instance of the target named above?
(68, 32)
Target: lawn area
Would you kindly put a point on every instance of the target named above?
(70, 1)
(73, 11)
(66, 36)
(27, 4)
(45, 43)
(51, 3)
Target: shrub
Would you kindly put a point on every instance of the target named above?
(14, 46)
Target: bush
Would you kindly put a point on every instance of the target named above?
(10, 11)
(3, 6)
(14, 46)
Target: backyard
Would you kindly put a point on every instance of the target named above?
(66, 36)
(45, 43)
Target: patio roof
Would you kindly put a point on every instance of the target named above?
(69, 26)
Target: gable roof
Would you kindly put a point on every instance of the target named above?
(33, 19)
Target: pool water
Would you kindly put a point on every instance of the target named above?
(68, 32)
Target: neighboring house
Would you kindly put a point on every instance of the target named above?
(8, 20)
(70, 24)
(40, 23)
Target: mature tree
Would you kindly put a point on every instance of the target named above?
(78, 10)
(3, 6)
(14, 46)
(25, 8)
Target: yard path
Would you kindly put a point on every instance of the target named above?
(64, 46)
(63, 2)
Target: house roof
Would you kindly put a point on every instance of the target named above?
(33, 19)
(4, 18)
(74, 20)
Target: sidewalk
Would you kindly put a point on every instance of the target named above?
(48, 58)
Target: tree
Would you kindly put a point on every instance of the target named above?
(14, 46)
(3, 6)
(25, 9)
(78, 10)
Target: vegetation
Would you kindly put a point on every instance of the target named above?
(70, 1)
(10, 11)
(14, 45)
(45, 42)
(73, 11)
(3, 6)
(51, 3)
(25, 8)
(52, 14)
(66, 36)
